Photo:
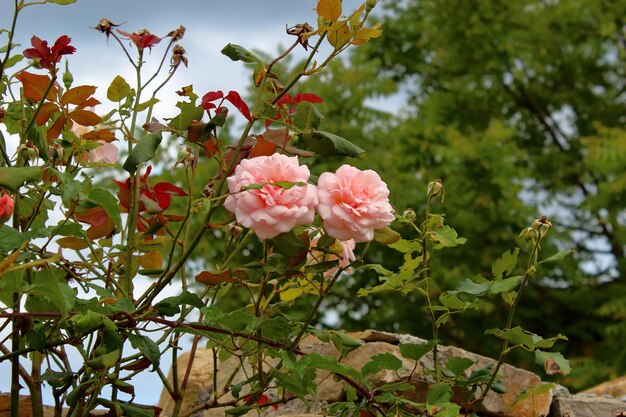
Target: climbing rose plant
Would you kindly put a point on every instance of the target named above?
(85, 214)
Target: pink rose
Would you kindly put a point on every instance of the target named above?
(353, 203)
(6, 207)
(343, 251)
(105, 153)
(271, 209)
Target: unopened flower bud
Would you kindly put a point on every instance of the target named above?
(435, 190)
(6, 206)
(177, 34)
(409, 214)
(68, 78)
(370, 4)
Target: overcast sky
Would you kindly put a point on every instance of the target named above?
(254, 24)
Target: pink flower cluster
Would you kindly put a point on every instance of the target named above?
(6, 207)
(270, 195)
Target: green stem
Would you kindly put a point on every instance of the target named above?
(135, 188)
(16, 11)
(43, 99)
(15, 360)
(532, 262)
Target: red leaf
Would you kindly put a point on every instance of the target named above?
(262, 148)
(84, 117)
(35, 86)
(212, 96)
(95, 216)
(236, 100)
(310, 98)
(102, 134)
(56, 128)
(44, 113)
(167, 188)
(77, 95)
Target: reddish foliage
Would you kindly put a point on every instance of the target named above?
(233, 97)
(152, 199)
(263, 399)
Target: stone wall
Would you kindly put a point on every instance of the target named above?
(558, 403)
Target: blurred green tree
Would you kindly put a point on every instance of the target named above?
(519, 108)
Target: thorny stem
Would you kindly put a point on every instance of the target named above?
(433, 317)
(530, 269)
(16, 11)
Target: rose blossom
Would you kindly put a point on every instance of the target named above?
(105, 153)
(353, 203)
(6, 207)
(271, 209)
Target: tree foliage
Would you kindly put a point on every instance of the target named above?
(519, 108)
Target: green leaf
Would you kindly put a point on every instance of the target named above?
(57, 379)
(276, 328)
(288, 244)
(12, 178)
(118, 90)
(142, 106)
(105, 361)
(70, 188)
(147, 347)
(143, 151)
(239, 410)
(557, 256)
(468, 286)
(553, 363)
(13, 60)
(188, 113)
(457, 365)
(134, 410)
(446, 237)
(380, 362)
(344, 343)
(505, 285)
(528, 340)
(416, 351)
(10, 239)
(62, 2)
(328, 144)
(386, 236)
(109, 204)
(528, 392)
(90, 320)
(439, 394)
(50, 285)
(171, 305)
(330, 363)
(307, 117)
(239, 53)
(505, 264)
